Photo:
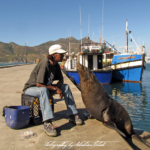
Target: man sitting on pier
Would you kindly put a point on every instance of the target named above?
(40, 85)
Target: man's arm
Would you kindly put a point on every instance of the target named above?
(53, 87)
(59, 83)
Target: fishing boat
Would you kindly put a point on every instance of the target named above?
(90, 56)
(128, 64)
(127, 67)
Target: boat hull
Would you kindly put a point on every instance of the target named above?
(128, 74)
(127, 68)
(104, 77)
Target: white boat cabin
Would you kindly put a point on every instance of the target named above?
(91, 56)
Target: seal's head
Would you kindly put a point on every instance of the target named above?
(79, 67)
(84, 72)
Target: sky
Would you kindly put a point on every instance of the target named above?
(38, 21)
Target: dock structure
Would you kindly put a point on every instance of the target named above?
(91, 135)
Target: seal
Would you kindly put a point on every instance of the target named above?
(102, 107)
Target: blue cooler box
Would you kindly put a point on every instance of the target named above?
(17, 117)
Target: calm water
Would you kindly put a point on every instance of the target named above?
(135, 97)
(17, 63)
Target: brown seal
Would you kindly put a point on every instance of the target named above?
(101, 106)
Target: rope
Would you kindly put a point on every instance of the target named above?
(135, 42)
(114, 36)
(120, 39)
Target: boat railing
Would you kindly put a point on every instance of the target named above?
(92, 47)
(131, 49)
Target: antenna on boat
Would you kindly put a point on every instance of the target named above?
(100, 36)
(143, 47)
(93, 38)
(102, 20)
(69, 36)
(88, 28)
(80, 27)
(69, 46)
(127, 35)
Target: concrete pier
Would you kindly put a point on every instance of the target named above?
(91, 135)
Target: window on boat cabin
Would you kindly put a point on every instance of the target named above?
(99, 61)
(90, 62)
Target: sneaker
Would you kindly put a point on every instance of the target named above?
(75, 119)
(50, 129)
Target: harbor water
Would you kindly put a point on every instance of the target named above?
(14, 63)
(135, 97)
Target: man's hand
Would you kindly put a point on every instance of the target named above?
(59, 91)
(52, 93)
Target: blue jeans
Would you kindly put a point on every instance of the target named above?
(43, 94)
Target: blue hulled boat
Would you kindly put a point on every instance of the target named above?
(91, 56)
(127, 67)
(103, 75)
(128, 62)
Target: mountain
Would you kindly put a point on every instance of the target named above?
(12, 52)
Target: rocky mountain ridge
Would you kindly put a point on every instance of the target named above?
(10, 52)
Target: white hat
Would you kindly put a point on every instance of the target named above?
(56, 49)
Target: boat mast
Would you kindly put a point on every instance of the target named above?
(127, 35)
(143, 47)
(100, 36)
(102, 20)
(69, 46)
(80, 28)
(88, 28)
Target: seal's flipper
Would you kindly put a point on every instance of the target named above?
(138, 138)
(113, 126)
(88, 116)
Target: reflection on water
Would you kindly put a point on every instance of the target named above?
(135, 97)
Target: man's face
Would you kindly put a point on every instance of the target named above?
(58, 57)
